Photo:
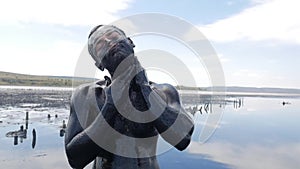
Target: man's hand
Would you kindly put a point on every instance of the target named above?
(118, 91)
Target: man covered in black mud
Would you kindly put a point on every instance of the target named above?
(116, 122)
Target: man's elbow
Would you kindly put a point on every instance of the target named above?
(73, 158)
(75, 164)
(184, 143)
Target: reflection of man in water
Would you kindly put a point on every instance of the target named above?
(95, 110)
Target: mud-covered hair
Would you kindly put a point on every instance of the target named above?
(94, 30)
(98, 26)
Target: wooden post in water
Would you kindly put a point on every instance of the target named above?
(64, 124)
(15, 140)
(26, 120)
(27, 116)
(33, 138)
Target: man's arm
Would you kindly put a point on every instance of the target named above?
(175, 125)
(80, 148)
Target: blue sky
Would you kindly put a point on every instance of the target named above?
(257, 41)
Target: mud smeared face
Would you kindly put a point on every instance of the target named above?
(117, 54)
(108, 45)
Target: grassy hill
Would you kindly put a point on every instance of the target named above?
(15, 79)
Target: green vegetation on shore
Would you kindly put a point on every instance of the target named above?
(15, 79)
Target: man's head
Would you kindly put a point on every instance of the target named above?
(108, 45)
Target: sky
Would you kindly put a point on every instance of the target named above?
(257, 41)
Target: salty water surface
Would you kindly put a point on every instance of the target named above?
(254, 132)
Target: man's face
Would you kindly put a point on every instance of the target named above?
(109, 46)
(107, 41)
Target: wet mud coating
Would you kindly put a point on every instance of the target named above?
(101, 125)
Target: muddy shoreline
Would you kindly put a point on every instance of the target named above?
(35, 98)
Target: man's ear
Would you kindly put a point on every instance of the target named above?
(131, 42)
(107, 80)
(100, 66)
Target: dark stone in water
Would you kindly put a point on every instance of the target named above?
(62, 132)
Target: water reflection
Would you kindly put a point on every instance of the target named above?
(255, 132)
(261, 133)
(20, 135)
(206, 106)
(251, 156)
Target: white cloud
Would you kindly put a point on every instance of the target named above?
(260, 1)
(267, 20)
(66, 12)
(260, 78)
(57, 59)
(223, 59)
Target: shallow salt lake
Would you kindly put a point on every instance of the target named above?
(253, 133)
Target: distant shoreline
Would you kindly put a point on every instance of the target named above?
(37, 87)
(15, 79)
(19, 81)
(181, 92)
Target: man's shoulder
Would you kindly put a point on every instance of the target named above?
(168, 90)
(165, 87)
(88, 89)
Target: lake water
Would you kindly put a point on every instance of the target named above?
(254, 133)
